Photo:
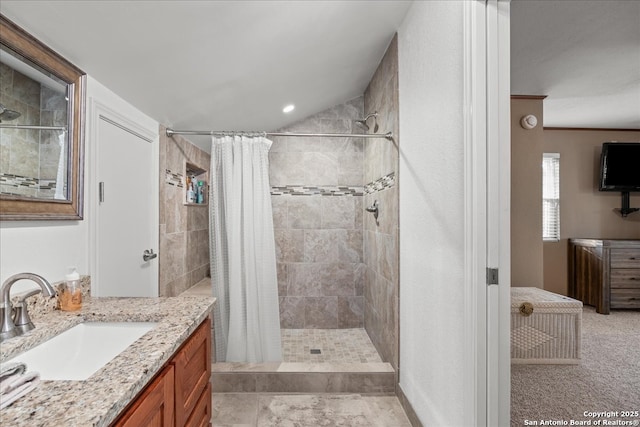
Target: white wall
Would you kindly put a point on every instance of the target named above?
(49, 247)
(431, 174)
(42, 247)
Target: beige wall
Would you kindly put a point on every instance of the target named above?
(526, 195)
(584, 211)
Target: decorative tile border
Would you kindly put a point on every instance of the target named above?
(386, 181)
(380, 184)
(12, 180)
(317, 190)
(173, 178)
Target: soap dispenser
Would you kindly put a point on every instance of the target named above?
(70, 292)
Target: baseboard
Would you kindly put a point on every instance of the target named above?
(408, 409)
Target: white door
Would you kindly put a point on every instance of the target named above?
(498, 211)
(489, 201)
(126, 212)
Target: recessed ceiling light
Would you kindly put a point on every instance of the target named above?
(289, 108)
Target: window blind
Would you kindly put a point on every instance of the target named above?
(551, 197)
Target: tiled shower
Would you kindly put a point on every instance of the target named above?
(337, 265)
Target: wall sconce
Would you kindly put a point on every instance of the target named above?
(529, 121)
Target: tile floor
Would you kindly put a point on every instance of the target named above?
(307, 410)
(311, 410)
(335, 345)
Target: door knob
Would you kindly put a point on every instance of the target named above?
(148, 255)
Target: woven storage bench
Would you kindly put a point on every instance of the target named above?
(545, 327)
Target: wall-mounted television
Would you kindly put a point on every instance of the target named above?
(620, 166)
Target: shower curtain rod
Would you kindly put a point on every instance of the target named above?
(7, 126)
(170, 132)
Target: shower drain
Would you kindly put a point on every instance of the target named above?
(315, 351)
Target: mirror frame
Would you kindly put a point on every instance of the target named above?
(20, 208)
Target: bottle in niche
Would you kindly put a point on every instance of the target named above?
(70, 292)
(191, 194)
(200, 192)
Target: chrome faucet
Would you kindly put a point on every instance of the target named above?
(8, 321)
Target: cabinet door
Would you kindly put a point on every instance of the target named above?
(155, 407)
(192, 372)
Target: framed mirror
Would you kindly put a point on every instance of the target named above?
(42, 114)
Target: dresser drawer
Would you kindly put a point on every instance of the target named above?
(625, 298)
(625, 278)
(625, 258)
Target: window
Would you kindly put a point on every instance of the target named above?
(551, 197)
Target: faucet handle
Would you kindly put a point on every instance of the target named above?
(21, 317)
(7, 328)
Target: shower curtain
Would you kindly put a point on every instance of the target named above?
(243, 258)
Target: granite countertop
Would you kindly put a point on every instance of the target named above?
(98, 400)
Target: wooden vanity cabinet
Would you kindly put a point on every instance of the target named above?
(181, 394)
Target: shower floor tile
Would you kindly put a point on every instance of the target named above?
(335, 345)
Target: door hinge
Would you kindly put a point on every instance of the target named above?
(492, 276)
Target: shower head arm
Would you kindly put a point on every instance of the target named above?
(374, 114)
(363, 122)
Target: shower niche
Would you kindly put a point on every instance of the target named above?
(196, 186)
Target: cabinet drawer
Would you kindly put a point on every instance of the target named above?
(625, 298)
(201, 415)
(625, 258)
(625, 278)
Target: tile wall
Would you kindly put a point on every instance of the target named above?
(381, 240)
(184, 230)
(337, 267)
(317, 212)
(29, 159)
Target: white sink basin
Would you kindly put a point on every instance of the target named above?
(79, 352)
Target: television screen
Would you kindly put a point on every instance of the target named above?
(620, 166)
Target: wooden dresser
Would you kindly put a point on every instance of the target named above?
(605, 273)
